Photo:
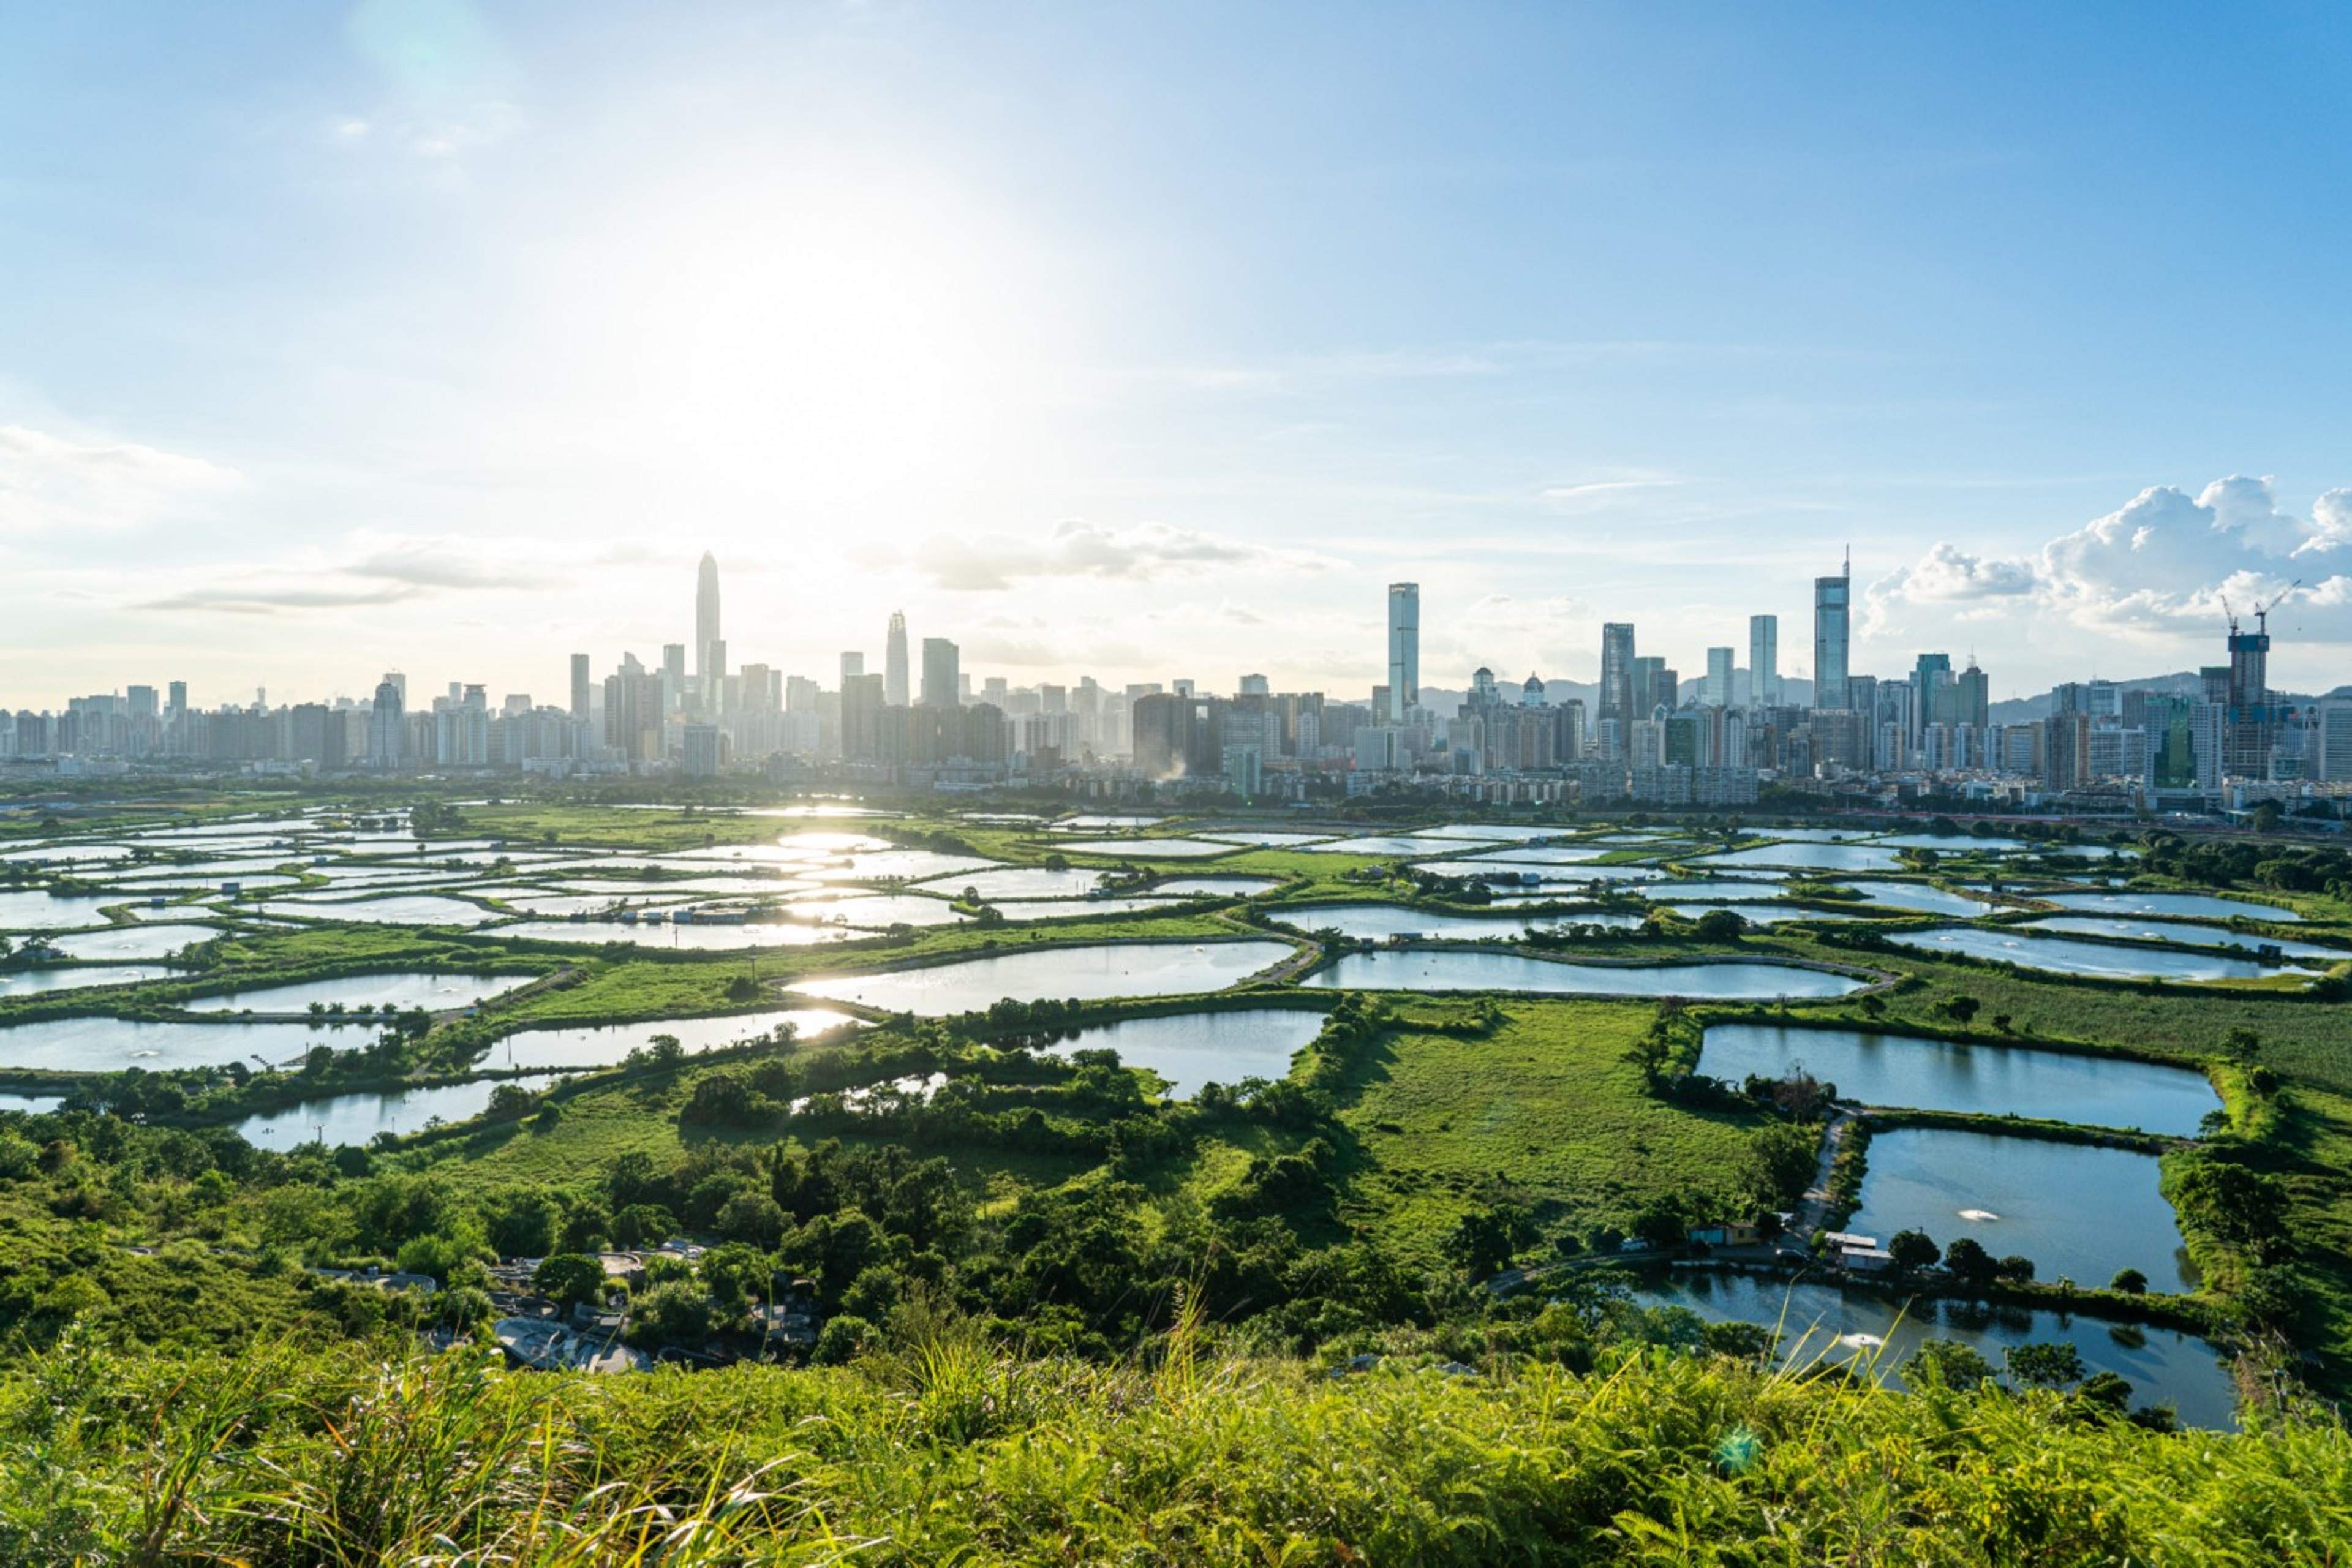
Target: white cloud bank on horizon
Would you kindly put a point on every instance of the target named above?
(52, 484)
(2155, 570)
(1146, 552)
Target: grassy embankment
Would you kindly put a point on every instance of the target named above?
(945, 1451)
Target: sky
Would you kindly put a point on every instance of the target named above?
(1150, 341)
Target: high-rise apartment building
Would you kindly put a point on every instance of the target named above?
(2250, 724)
(852, 665)
(1832, 636)
(706, 627)
(943, 681)
(1719, 677)
(582, 703)
(894, 661)
(1404, 649)
(1764, 660)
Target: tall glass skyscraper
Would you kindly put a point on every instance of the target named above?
(894, 661)
(1764, 661)
(1617, 673)
(1404, 649)
(706, 620)
(1832, 636)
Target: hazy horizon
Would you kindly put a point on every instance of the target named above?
(1149, 343)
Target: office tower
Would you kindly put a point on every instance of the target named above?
(1764, 660)
(701, 756)
(1616, 673)
(861, 718)
(400, 684)
(1404, 649)
(1931, 677)
(2102, 700)
(706, 627)
(179, 699)
(894, 661)
(1255, 686)
(1971, 696)
(1652, 687)
(142, 700)
(2333, 756)
(1832, 608)
(1719, 678)
(714, 679)
(943, 681)
(387, 728)
(581, 703)
(852, 665)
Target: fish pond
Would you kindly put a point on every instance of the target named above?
(1457, 970)
(1089, 972)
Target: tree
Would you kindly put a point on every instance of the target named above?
(1912, 1249)
(743, 988)
(1969, 1262)
(2130, 1281)
(844, 1337)
(2238, 1206)
(1781, 1158)
(568, 1278)
(2107, 1390)
(2016, 1268)
(1721, 925)
(2045, 1365)
(1484, 1240)
(2241, 1046)
(1959, 1009)
(1949, 1361)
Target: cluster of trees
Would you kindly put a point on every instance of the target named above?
(2249, 863)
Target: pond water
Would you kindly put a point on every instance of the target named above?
(417, 909)
(2188, 934)
(355, 1119)
(1920, 896)
(1809, 857)
(2163, 1366)
(2062, 957)
(1189, 1049)
(1086, 973)
(44, 912)
(1453, 970)
(1954, 844)
(1105, 822)
(744, 886)
(605, 1044)
(30, 1104)
(1497, 833)
(1709, 888)
(1497, 872)
(132, 941)
(1994, 1080)
(2173, 906)
(876, 912)
(246, 881)
(909, 865)
(1546, 853)
(401, 992)
(1020, 882)
(80, 977)
(1150, 848)
(109, 1044)
(576, 904)
(1019, 910)
(2076, 1209)
(1386, 845)
(1380, 921)
(680, 938)
(1213, 887)
(64, 854)
(1268, 841)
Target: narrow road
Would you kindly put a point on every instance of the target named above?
(1812, 1209)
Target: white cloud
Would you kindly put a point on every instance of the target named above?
(2163, 563)
(1146, 552)
(51, 483)
(366, 568)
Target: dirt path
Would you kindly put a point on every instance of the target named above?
(1812, 1209)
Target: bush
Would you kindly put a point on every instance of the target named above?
(843, 1339)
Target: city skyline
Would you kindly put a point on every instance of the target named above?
(403, 326)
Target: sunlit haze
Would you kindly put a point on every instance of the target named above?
(1152, 343)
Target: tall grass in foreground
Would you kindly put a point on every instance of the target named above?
(949, 1453)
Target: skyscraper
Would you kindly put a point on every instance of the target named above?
(894, 661)
(1617, 673)
(1719, 677)
(580, 685)
(943, 681)
(1764, 661)
(1404, 649)
(1832, 608)
(706, 621)
(851, 666)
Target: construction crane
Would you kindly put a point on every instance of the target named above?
(2262, 612)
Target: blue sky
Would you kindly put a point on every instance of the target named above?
(1153, 341)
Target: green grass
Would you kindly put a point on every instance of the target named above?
(946, 1451)
(1545, 1111)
